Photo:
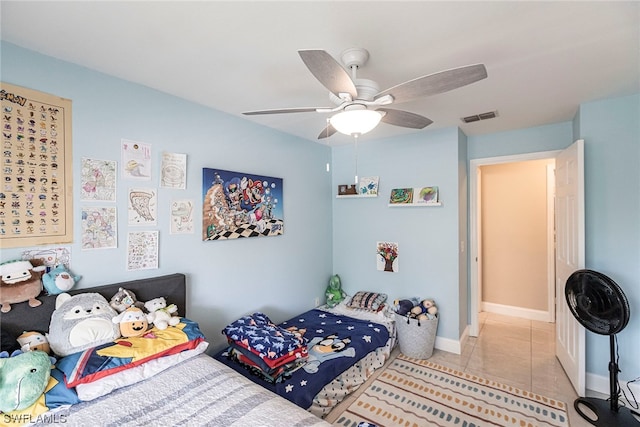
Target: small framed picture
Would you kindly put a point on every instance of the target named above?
(347, 190)
(368, 186)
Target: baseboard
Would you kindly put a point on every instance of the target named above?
(453, 346)
(507, 310)
(600, 384)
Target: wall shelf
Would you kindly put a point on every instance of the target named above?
(414, 205)
(355, 196)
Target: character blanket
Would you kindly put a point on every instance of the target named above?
(334, 344)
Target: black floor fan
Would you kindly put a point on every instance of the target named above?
(600, 306)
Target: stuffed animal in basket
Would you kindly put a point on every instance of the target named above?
(24, 378)
(404, 306)
(80, 322)
(59, 280)
(334, 292)
(160, 314)
(124, 299)
(21, 281)
(425, 310)
(133, 322)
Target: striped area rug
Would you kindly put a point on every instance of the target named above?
(417, 393)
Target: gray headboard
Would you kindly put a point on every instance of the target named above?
(24, 318)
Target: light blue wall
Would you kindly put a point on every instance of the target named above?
(281, 275)
(611, 131)
(426, 236)
(522, 141)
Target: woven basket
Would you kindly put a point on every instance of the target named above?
(416, 338)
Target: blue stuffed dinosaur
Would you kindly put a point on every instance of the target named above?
(24, 378)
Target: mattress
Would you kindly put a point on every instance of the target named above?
(331, 384)
(350, 380)
(198, 392)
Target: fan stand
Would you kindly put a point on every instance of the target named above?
(608, 414)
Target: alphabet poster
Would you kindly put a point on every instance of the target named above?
(36, 194)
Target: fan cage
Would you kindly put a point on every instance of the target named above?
(597, 302)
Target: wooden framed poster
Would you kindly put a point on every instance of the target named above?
(36, 195)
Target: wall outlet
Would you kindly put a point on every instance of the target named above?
(317, 301)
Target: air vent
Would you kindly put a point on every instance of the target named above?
(481, 116)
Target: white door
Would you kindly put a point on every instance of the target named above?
(569, 215)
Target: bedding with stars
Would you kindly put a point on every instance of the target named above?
(335, 343)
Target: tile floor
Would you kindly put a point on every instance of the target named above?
(508, 350)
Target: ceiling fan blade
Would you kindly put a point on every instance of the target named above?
(404, 119)
(329, 72)
(436, 83)
(327, 132)
(283, 110)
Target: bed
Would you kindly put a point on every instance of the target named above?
(185, 388)
(320, 386)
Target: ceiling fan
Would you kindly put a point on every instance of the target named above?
(362, 97)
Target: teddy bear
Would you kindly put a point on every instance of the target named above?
(160, 314)
(404, 306)
(133, 322)
(21, 281)
(334, 292)
(59, 280)
(124, 299)
(425, 310)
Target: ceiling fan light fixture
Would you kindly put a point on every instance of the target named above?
(356, 121)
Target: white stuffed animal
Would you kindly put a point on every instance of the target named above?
(160, 314)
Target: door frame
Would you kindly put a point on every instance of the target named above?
(475, 294)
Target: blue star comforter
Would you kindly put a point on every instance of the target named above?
(334, 344)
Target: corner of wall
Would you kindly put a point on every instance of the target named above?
(575, 123)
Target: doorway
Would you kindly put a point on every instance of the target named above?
(505, 304)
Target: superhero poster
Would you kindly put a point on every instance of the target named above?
(236, 204)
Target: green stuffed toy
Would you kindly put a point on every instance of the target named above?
(334, 292)
(24, 378)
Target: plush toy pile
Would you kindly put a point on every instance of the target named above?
(425, 309)
(80, 328)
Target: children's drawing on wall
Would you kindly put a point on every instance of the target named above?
(142, 250)
(387, 256)
(181, 217)
(237, 204)
(49, 256)
(401, 196)
(427, 195)
(98, 180)
(173, 171)
(143, 206)
(368, 186)
(136, 160)
(99, 228)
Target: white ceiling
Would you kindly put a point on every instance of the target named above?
(543, 58)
